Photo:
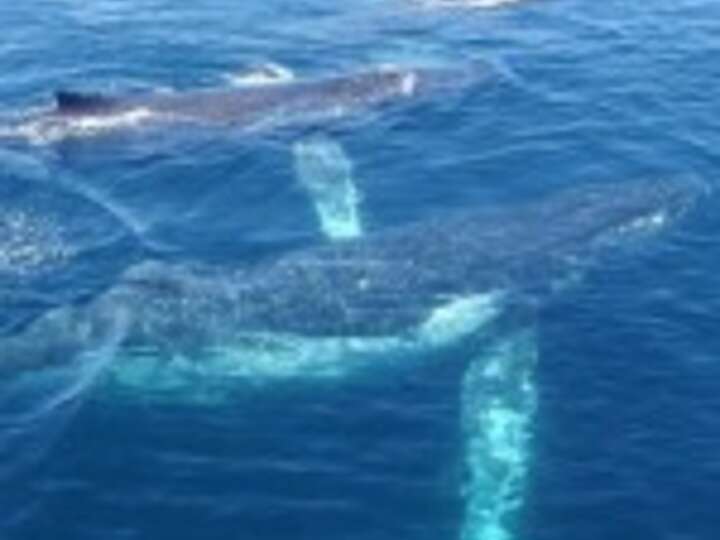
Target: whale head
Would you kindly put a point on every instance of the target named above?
(554, 243)
(393, 81)
(623, 212)
(540, 246)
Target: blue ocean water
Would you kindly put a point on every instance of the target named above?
(625, 436)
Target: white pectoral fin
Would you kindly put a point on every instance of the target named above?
(459, 318)
(326, 173)
(499, 400)
(264, 357)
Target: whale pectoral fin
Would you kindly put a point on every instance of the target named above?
(498, 403)
(263, 357)
(326, 173)
(458, 318)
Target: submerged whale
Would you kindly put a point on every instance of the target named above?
(464, 282)
(256, 107)
(395, 283)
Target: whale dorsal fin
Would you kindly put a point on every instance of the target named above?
(70, 101)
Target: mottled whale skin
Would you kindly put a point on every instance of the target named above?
(380, 285)
(258, 107)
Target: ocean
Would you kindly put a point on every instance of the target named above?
(618, 434)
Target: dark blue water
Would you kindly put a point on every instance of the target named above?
(626, 434)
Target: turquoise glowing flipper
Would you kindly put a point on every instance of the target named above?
(498, 400)
(326, 173)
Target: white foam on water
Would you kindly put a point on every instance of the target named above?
(29, 239)
(325, 171)
(499, 400)
(30, 243)
(265, 74)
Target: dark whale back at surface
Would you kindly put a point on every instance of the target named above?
(282, 102)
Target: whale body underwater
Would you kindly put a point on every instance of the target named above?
(397, 291)
(273, 105)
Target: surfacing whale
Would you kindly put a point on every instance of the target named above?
(463, 282)
(256, 107)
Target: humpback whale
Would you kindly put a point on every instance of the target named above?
(395, 283)
(255, 107)
(367, 301)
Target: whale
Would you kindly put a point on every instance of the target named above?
(279, 103)
(471, 281)
(384, 284)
